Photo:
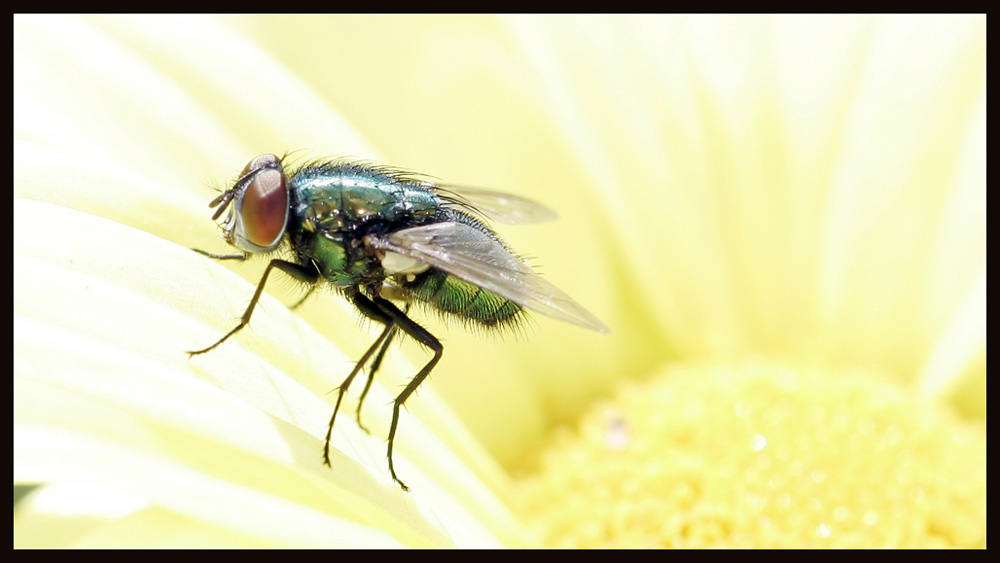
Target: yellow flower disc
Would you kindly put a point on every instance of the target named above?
(762, 456)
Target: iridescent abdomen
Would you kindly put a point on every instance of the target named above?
(456, 296)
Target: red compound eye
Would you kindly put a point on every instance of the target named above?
(265, 206)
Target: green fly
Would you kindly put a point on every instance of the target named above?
(379, 234)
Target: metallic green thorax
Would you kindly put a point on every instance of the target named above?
(334, 206)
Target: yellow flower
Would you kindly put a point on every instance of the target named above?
(810, 190)
(762, 455)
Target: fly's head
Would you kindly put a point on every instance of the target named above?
(259, 206)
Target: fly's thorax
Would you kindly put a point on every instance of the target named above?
(334, 207)
(345, 196)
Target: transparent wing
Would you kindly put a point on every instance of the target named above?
(478, 258)
(498, 206)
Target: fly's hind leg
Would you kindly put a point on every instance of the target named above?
(383, 311)
(372, 311)
(421, 335)
(376, 364)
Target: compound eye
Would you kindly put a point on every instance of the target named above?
(261, 161)
(264, 209)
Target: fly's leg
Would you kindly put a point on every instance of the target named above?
(308, 274)
(240, 256)
(304, 297)
(373, 312)
(421, 335)
(383, 311)
(244, 256)
(376, 363)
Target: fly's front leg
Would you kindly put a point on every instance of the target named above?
(240, 256)
(307, 274)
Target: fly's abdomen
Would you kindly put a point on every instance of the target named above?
(453, 295)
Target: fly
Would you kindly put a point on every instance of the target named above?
(378, 235)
